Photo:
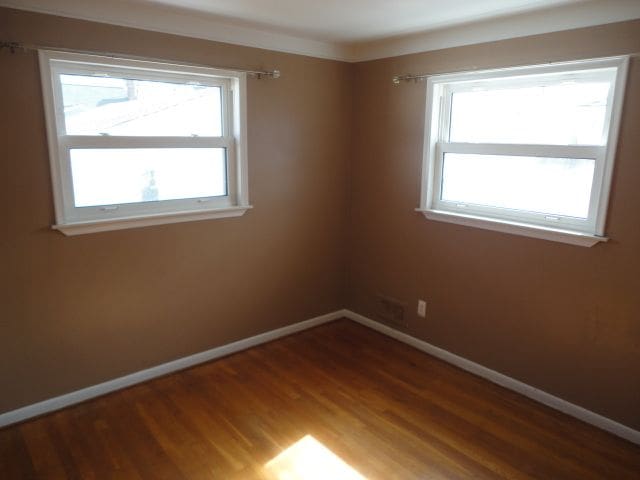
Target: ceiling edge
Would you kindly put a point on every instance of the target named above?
(146, 17)
(568, 17)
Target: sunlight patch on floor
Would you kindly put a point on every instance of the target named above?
(308, 459)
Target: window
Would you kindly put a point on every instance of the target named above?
(525, 150)
(135, 143)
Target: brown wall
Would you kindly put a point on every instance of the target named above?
(75, 311)
(563, 318)
(324, 139)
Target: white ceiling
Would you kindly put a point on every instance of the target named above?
(351, 30)
(356, 20)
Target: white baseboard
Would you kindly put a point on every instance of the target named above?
(78, 396)
(503, 380)
(540, 396)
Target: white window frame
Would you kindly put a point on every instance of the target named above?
(72, 220)
(551, 227)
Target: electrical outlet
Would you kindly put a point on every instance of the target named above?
(422, 308)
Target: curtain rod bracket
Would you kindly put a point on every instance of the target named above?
(12, 46)
(264, 74)
(397, 79)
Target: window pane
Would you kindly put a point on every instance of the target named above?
(556, 186)
(134, 175)
(119, 106)
(567, 113)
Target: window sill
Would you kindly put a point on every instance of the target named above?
(81, 228)
(514, 228)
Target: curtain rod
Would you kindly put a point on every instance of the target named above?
(13, 47)
(397, 79)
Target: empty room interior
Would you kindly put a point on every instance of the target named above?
(301, 240)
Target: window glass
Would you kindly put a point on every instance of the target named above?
(99, 105)
(554, 186)
(133, 175)
(561, 113)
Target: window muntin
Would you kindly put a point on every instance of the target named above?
(132, 139)
(530, 145)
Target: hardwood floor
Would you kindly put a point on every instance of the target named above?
(386, 410)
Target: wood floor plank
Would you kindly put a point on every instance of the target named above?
(383, 408)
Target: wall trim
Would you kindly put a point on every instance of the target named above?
(72, 398)
(505, 381)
